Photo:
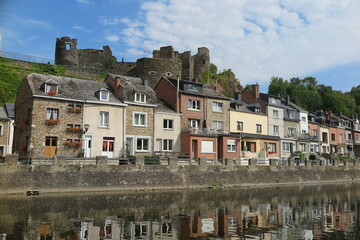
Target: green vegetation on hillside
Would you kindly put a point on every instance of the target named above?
(310, 95)
(225, 80)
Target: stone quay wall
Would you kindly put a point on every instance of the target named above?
(18, 178)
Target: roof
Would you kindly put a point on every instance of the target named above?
(251, 135)
(164, 106)
(3, 114)
(70, 88)
(10, 109)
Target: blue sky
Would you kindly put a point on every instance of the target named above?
(257, 39)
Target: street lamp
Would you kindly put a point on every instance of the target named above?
(86, 127)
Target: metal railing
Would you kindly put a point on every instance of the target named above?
(26, 58)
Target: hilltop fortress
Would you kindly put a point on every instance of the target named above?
(165, 62)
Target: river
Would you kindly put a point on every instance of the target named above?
(305, 212)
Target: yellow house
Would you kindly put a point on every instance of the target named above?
(325, 139)
(250, 123)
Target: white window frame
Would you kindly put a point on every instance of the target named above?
(140, 97)
(239, 126)
(104, 119)
(303, 119)
(166, 124)
(52, 113)
(193, 88)
(292, 131)
(276, 129)
(191, 121)
(286, 146)
(194, 105)
(142, 144)
(104, 95)
(257, 110)
(168, 145)
(272, 147)
(49, 87)
(231, 145)
(302, 147)
(135, 114)
(275, 113)
(291, 114)
(1, 129)
(207, 146)
(218, 125)
(217, 107)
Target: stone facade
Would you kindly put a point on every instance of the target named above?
(214, 115)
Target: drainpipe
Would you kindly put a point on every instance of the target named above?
(177, 94)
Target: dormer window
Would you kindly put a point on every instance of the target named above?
(140, 97)
(51, 87)
(193, 88)
(257, 110)
(104, 95)
(291, 114)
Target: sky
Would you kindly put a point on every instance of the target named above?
(257, 39)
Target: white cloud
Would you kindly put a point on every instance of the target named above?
(113, 38)
(113, 21)
(257, 39)
(83, 1)
(76, 27)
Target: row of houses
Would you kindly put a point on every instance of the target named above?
(124, 116)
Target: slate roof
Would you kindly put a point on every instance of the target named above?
(10, 109)
(164, 106)
(3, 114)
(70, 88)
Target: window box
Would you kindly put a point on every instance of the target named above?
(52, 122)
(74, 130)
(71, 144)
(52, 92)
(73, 110)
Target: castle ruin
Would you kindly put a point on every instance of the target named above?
(165, 62)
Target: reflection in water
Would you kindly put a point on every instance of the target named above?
(321, 212)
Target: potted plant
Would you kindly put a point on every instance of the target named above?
(52, 122)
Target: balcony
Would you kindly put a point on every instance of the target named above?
(300, 136)
(203, 131)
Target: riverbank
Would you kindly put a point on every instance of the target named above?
(17, 179)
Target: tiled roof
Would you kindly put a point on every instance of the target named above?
(71, 88)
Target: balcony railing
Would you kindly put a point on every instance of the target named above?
(300, 136)
(203, 131)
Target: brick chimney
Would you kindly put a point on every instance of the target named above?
(256, 91)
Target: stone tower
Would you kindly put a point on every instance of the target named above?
(201, 62)
(66, 53)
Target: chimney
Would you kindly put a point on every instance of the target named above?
(237, 95)
(256, 91)
(287, 101)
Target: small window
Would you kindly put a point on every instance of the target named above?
(217, 107)
(193, 88)
(168, 124)
(142, 144)
(291, 114)
(332, 137)
(167, 145)
(275, 113)
(207, 146)
(194, 123)
(303, 119)
(168, 74)
(218, 125)
(239, 126)
(67, 46)
(257, 110)
(104, 95)
(51, 87)
(292, 132)
(139, 119)
(204, 61)
(258, 128)
(152, 73)
(231, 145)
(276, 129)
(104, 119)
(1, 130)
(193, 104)
(52, 113)
(286, 147)
(271, 148)
(302, 147)
(140, 97)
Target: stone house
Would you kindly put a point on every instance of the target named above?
(140, 112)
(6, 128)
(314, 133)
(52, 117)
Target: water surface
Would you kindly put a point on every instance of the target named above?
(310, 212)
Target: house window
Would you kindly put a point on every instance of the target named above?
(302, 147)
(286, 146)
(104, 95)
(142, 144)
(1, 130)
(275, 113)
(249, 146)
(291, 114)
(324, 137)
(303, 132)
(139, 119)
(292, 132)
(271, 148)
(168, 145)
(104, 119)
(140, 97)
(257, 110)
(332, 137)
(52, 113)
(193, 88)
(303, 119)
(231, 145)
(168, 124)
(239, 126)
(258, 128)
(314, 132)
(340, 138)
(194, 123)
(218, 125)
(349, 136)
(2, 151)
(276, 130)
(207, 146)
(217, 107)
(193, 104)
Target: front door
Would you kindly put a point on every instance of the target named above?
(194, 148)
(50, 146)
(129, 147)
(108, 147)
(88, 145)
